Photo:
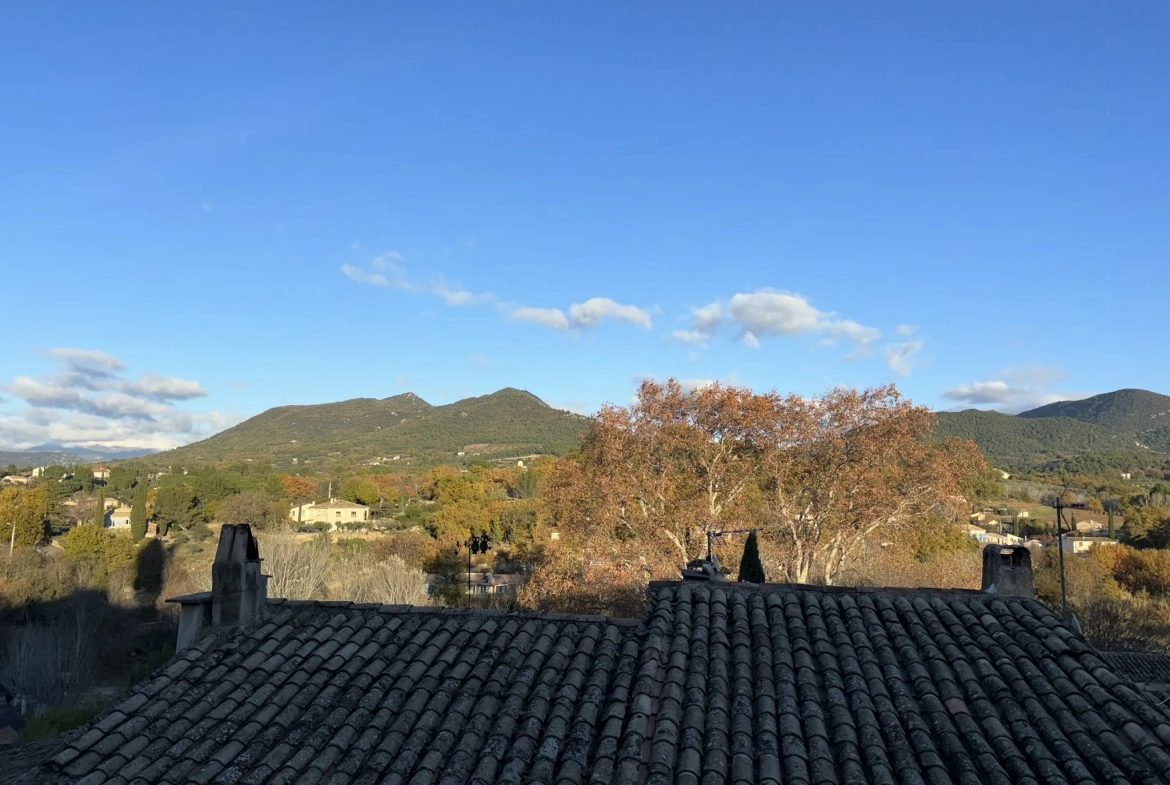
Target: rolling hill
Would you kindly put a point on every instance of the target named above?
(509, 421)
(1117, 424)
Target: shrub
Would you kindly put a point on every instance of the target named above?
(388, 581)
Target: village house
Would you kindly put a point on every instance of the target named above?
(334, 512)
(1081, 544)
(482, 583)
(101, 473)
(119, 518)
(719, 682)
(1091, 527)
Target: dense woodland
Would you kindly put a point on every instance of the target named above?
(854, 487)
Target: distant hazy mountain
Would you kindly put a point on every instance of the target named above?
(1126, 421)
(506, 422)
(55, 454)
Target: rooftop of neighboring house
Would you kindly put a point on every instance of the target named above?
(719, 682)
(339, 504)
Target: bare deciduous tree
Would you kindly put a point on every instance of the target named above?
(389, 581)
(298, 570)
(51, 660)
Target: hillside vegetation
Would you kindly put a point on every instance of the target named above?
(1143, 414)
(506, 422)
(1123, 430)
(1016, 442)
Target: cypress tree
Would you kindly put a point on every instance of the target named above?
(138, 511)
(751, 569)
(1112, 531)
(99, 515)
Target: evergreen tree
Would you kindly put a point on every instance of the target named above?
(751, 569)
(99, 515)
(138, 511)
(1112, 530)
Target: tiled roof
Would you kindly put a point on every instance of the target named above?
(1142, 668)
(340, 504)
(719, 684)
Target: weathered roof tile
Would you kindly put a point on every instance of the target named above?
(729, 684)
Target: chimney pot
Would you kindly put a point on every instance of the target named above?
(1007, 569)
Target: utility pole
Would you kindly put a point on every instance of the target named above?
(1060, 547)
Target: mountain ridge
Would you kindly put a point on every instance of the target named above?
(1115, 423)
(506, 421)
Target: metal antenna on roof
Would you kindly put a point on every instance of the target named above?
(1060, 547)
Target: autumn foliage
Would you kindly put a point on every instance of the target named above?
(817, 477)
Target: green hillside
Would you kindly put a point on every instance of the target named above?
(1017, 442)
(1142, 414)
(506, 422)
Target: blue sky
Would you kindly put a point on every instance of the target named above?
(206, 211)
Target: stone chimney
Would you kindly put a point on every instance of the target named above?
(239, 591)
(1007, 569)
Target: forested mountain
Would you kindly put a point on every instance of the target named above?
(506, 422)
(1142, 414)
(1122, 425)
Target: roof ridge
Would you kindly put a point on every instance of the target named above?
(441, 611)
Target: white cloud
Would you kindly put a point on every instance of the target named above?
(165, 388)
(590, 313)
(1026, 388)
(770, 313)
(90, 404)
(361, 276)
(584, 316)
(899, 356)
(906, 330)
(87, 360)
(703, 324)
(549, 317)
(693, 337)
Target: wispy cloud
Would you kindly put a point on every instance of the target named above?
(1022, 387)
(481, 361)
(899, 356)
(584, 316)
(549, 317)
(389, 270)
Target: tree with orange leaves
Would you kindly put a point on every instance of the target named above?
(816, 476)
(852, 464)
(653, 478)
(299, 488)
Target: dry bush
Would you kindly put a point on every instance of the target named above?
(601, 588)
(300, 571)
(189, 575)
(368, 579)
(52, 659)
(1125, 624)
(413, 547)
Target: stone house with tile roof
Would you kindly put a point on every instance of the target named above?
(335, 512)
(718, 683)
